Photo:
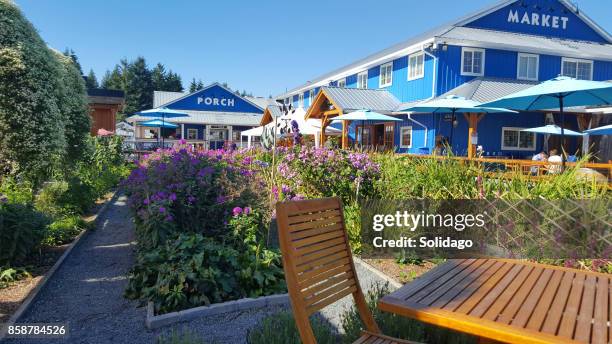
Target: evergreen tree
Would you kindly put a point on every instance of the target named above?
(193, 85)
(91, 82)
(159, 77)
(113, 80)
(174, 82)
(70, 53)
(200, 85)
(138, 86)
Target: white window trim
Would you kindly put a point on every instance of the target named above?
(192, 130)
(384, 66)
(463, 50)
(401, 132)
(569, 59)
(311, 95)
(341, 81)
(301, 100)
(518, 66)
(503, 147)
(422, 72)
(365, 72)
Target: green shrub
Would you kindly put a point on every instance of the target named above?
(16, 192)
(61, 198)
(185, 336)
(64, 230)
(395, 325)
(194, 270)
(280, 329)
(22, 229)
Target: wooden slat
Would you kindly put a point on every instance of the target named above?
(568, 321)
(316, 223)
(328, 301)
(548, 295)
(313, 274)
(447, 292)
(313, 257)
(528, 306)
(498, 306)
(309, 217)
(436, 289)
(323, 274)
(321, 262)
(553, 319)
(495, 292)
(315, 231)
(437, 275)
(585, 315)
(329, 292)
(600, 316)
(517, 300)
(328, 283)
(319, 246)
(318, 238)
(471, 287)
(484, 289)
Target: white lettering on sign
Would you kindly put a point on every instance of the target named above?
(226, 102)
(536, 19)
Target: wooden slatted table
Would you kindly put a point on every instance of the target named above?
(510, 301)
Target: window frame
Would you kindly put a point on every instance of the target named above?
(576, 61)
(517, 148)
(343, 81)
(401, 136)
(190, 130)
(380, 73)
(311, 96)
(422, 71)
(518, 67)
(472, 50)
(363, 74)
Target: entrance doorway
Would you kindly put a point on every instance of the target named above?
(377, 136)
(217, 135)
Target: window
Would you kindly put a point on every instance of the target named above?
(301, 100)
(472, 61)
(386, 75)
(405, 137)
(515, 139)
(362, 79)
(579, 69)
(288, 101)
(312, 96)
(363, 135)
(527, 66)
(341, 83)
(416, 66)
(192, 134)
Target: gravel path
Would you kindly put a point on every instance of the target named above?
(87, 293)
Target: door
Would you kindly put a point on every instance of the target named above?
(389, 135)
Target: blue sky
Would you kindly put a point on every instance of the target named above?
(261, 46)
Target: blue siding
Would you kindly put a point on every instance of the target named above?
(602, 70)
(449, 69)
(351, 81)
(550, 67)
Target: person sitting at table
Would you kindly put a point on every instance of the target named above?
(556, 158)
(541, 157)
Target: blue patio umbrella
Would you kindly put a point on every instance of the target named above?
(605, 130)
(162, 113)
(453, 104)
(364, 115)
(552, 130)
(557, 93)
(158, 124)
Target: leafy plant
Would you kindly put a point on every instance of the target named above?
(64, 230)
(280, 329)
(22, 229)
(60, 198)
(185, 336)
(9, 275)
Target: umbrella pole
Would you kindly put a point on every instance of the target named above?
(161, 130)
(361, 138)
(452, 123)
(562, 133)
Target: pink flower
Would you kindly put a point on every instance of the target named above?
(247, 210)
(237, 211)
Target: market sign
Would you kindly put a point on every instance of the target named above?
(537, 19)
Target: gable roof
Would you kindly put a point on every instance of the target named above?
(186, 95)
(418, 42)
(486, 89)
(353, 99)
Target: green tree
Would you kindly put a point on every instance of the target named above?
(31, 125)
(91, 82)
(174, 82)
(72, 103)
(195, 85)
(159, 77)
(113, 80)
(138, 86)
(70, 53)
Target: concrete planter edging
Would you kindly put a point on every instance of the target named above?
(394, 283)
(156, 321)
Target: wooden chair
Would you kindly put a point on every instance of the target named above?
(318, 264)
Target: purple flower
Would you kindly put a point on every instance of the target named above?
(285, 189)
(172, 197)
(169, 218)
(237, 211)
(162, 210)
(146, 201)
(221, 199)
(191, 199)
(183, 141)
(247, 210)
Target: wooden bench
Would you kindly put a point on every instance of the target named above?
(510, 301)
(318, 264)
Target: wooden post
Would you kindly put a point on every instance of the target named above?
(472, 119)
(323, 128)
(345, 132)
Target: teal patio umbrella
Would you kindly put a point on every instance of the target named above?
(453, 104)
(558, 93)
(605, 130)
(552, 130)
(157, 123)
(162, 113)
(364, 115)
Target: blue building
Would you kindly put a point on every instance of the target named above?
(216, 117)
(502, 49)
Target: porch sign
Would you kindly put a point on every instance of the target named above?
(215, 98)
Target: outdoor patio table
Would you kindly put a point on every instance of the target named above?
(510, 301)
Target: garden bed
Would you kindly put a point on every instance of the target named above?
(42, 266)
